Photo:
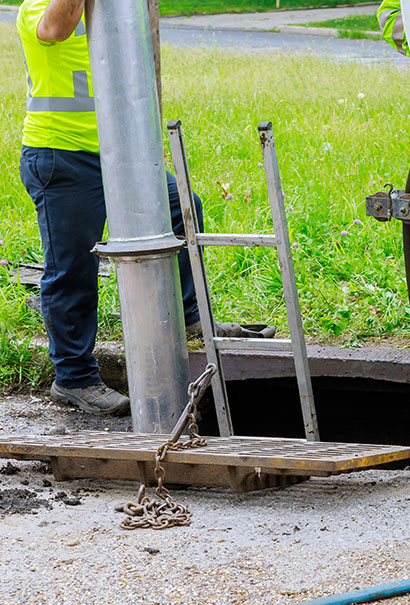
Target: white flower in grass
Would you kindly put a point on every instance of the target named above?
(361, 95)
(326, 146)
(341, 101)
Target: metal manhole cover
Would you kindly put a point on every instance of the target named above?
(281, 454)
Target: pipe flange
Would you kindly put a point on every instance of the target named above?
(141, 247)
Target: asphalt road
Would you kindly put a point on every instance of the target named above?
(367, 51)
(7, 16)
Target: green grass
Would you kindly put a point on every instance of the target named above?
(340, 132)
(359, 22)
(177, 7)
(190, 7)
(356, 26)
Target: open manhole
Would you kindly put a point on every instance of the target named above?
(349, 410)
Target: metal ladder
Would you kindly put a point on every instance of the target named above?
(195, 243)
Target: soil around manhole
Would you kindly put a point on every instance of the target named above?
(9, 469)
(21, 501)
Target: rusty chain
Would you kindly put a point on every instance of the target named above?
(163, 511)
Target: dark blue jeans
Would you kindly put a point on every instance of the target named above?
(66, 188)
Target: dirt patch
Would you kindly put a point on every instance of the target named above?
(42, 467)
(21, 501)
(9, 469)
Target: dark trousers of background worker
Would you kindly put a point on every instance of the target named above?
(66, 188)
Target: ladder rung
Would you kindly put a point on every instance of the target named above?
(252, 344)
(234, 239)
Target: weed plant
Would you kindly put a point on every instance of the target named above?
(341, 131)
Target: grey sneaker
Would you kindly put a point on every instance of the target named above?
(222, 329)
(234, 330)
(97, 399)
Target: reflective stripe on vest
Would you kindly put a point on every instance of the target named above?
(384, 15)
(29, 81)
(397, 34)
(80, 102)
(80, 29)
(391, 25)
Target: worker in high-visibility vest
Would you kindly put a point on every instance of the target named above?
(391, 24)
(60, 168)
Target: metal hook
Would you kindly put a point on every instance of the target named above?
(390, 190)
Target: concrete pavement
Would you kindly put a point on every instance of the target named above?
(342, 49)
(271, 20)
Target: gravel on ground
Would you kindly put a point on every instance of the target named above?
(61, 542)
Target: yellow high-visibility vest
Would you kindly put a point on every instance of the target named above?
(60, 103)
(391, 25)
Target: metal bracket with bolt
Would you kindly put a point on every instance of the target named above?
(385, 206)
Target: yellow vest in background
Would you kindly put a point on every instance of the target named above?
(60, 103)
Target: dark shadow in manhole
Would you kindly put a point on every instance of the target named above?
(349, 410)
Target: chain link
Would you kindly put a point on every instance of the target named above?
(163, 511)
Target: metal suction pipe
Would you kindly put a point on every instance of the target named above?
(141, 240)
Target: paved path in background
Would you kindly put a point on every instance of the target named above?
(366, 51)
(8, 14)
(269, 20)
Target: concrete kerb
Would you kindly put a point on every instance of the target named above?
(382, 364)
(325, 32)
(375, 363)
(320, 31)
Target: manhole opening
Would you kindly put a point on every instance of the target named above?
(349, 410)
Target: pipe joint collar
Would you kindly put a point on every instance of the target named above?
(140, 247)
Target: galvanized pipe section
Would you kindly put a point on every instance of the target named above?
(141, 239)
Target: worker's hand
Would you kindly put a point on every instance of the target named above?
(60, 20)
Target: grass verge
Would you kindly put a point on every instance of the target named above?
(195, 7)
(355, 26)
(340, 133)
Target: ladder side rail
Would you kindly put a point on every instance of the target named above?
(199, 275)
(236, 239)
(289, 281)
